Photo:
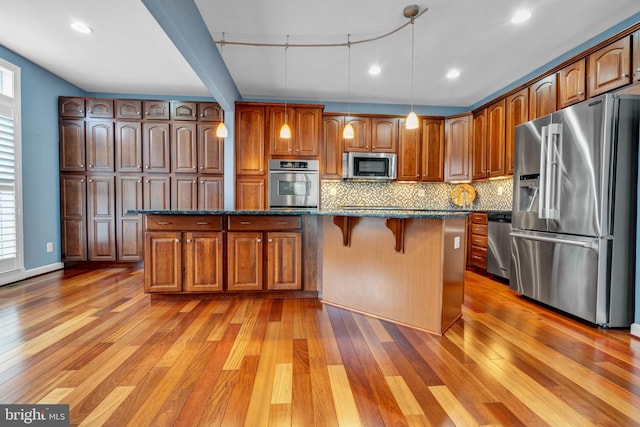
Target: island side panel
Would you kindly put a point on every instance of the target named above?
(371, 277)
(453, 270)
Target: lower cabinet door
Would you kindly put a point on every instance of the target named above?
(284, 260)
(163, 261)
(203, 262)
(244, 261)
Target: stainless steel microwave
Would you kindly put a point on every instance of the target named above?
(369, 166)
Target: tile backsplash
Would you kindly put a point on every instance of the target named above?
(490, 195)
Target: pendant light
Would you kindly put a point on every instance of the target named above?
(412, 118)
(221, 129)
(285, 130)
(348, 133)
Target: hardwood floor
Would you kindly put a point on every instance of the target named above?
(94, 340)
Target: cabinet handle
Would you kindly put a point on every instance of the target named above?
(146, 113)
(201, 167)
(245, 222)
(258, 240)
(188, 240)
(81, 166)
(625, 75)
(80, 110)
(164, 222)
(270, 240)
(82, 180)
(177, 240)
(91, 180)
(202, 222)
(283, 222)
(194, 115)
(580, 93)
(138, 166)
(90, 166)
(146, 167)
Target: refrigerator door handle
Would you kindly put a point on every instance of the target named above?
(544, 144)
(554, 156)
(588, 245)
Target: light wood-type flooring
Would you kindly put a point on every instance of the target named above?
(92, 339)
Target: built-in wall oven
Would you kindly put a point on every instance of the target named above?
(294, 183)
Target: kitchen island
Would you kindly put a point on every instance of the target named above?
(405, 266)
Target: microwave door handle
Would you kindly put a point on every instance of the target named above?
(542, 205)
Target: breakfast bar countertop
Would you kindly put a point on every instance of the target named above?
(360, 211)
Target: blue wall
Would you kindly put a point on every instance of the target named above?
(40, 182)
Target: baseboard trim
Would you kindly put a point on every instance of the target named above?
(16, 276)
(635, 329)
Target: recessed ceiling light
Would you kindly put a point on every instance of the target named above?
(521, 16)
(375, 70)
(81, 27)
(452, 74)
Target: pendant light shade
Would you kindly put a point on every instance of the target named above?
(347, 133)
(285, 131)
(412, 121)
(221, 131)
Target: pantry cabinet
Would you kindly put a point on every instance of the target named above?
(156, 147)
(99, 146)
(73, 212)
(101, 221)
(128, 144)
(72, 146)
(332, 147)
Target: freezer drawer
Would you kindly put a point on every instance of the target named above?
(568, 273)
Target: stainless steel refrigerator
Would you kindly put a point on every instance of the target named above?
(574, 204)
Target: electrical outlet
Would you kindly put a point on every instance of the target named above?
(500, 190)
(333, 191)
(421, 192)
(49, 246)
(456, 242)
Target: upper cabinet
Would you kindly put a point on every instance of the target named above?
(457, 165)
(609, 68)
(572, 84)
(543, 97)
(71, 106)
(305, 125)
(210, 112)
(479, 145)
(496, 139)
(635, 56)
(432, 156)
(99, 108)
(249, 135)
(517, 112)
(332, 147)
(128, 109)
(182, 110)
(384, 134)
(156, 110)
(361, 140)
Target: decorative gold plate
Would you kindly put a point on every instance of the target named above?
(463, 194)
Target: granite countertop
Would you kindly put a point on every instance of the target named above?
(383, 212)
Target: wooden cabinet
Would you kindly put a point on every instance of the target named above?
(496, 139)
(128, 141)
(156, 110)
(421, 151)
(517, 106)
(184, 110)
(249, 136)
(210, 112)
(305, 131)
(284, 260)
(477, 256)
(432, 149)
(609, 68)
(251, 193)
(543, 97)
(101, 221)
(129, 233)
(128, 109)
(211, 193)
(72, 146)
(375, 134)
(572, 84)
(99, 146)
(99, 108)
(184, 253)
(332, 147)
(71, 107)
(156, 147)
(184, 147)
(246, 258)
(457, 166)
(184, 192)
(635, 56)
(479, 145)
(73, 202)
(156, 192)
(210, 150)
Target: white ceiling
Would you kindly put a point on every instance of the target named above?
(129, 53)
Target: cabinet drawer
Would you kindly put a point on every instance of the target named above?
(183, 223)
(478, 217)
(479, 257)
(264, 223)
(479, 229)
(478, 240)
